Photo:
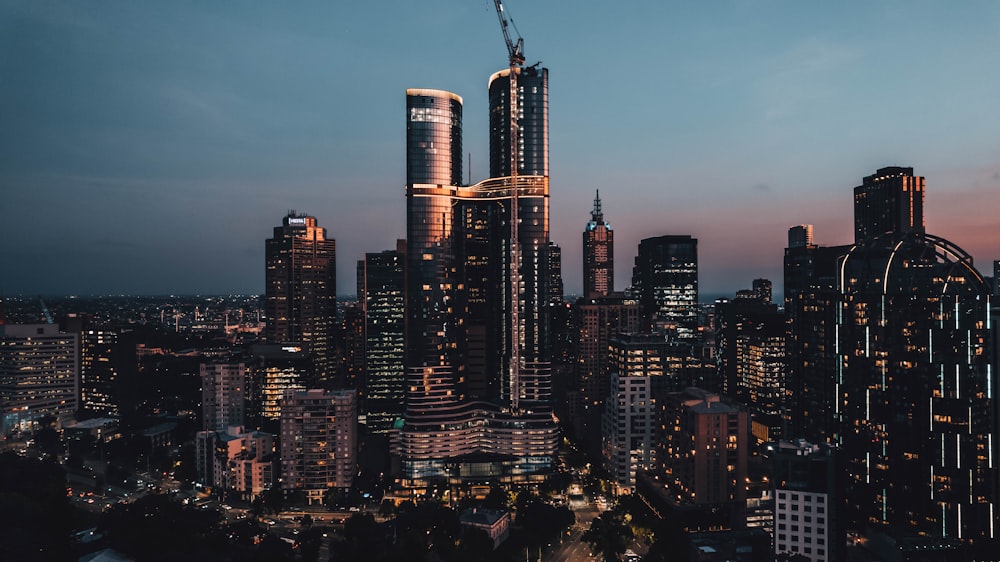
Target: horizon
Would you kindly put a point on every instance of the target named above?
(156, 147)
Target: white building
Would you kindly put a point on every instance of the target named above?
(628, 430)
(39, 374)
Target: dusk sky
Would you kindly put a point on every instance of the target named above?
(151, 148)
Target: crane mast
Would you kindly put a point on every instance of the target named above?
(515, 53)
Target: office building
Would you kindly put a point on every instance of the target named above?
(275, 369)
(383, 297)
(730, 318)
(760, 373)
(665, 281)
(300, 288)
(598, 254)
(351, 342)
(808, 501)
(318, 441)
(100, 365)
(223, 395)
(39, 375)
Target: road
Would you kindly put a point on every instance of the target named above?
(572, 548)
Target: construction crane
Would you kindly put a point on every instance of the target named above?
(515, 53)
(45, 311)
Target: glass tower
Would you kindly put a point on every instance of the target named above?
(665, 280)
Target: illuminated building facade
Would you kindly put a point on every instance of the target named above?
(629, 429)
(595, 323)
(39, 374)
(704, 453)
(665, 281)
(99, 366)
(383, 294)
(892, 357)
(811, 297)
(275, 369)
(223, 395)
(890, 201)
(917, 407)
(598, 254)
(460, 389)
(808, 518)
(318, 441)
(300, 289)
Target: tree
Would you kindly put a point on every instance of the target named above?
(36, 518)
(158, 527)
(608, 536)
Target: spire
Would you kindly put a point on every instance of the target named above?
(597, 215)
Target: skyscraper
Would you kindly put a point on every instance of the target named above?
(811, 307)
(665, 280)
(300, 289)
(463, 397)
(598, 254)
(890, 201)
(892, 346)
(533, 122)
(383, 298)
(916, 396)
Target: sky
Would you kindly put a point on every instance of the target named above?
(151, 148)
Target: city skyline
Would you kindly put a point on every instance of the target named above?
(154, 146)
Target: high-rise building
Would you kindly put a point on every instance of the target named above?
(223, 395)
(318, 438)
(704, 454)
(665, 281)
(275, 369)
(595, 323)
(760, 372)
(890, 201)
(102, 359)
(629, 429)
(811, 306)
(383, 297)
(800, 236)
(463, 396)
(598, 254)
(916, 393)
(39, 375)
(750, 356)
(891, 349)
(300, 290)
(533, 122)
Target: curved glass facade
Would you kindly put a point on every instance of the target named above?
(533, 121)
(459, 422)
(916, 410)
(433, 137)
